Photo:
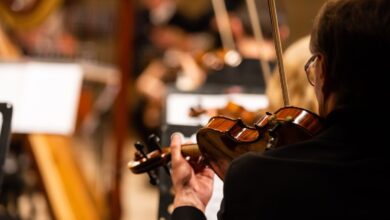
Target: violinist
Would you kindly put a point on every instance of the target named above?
(341, 173)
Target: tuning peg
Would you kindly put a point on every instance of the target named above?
(154, 144)
(153, 179)
(140, 148)
(139, 154)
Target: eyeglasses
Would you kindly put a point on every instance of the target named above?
(309, 70)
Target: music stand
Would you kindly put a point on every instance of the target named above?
(5, 133)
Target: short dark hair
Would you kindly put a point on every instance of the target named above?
(353, 35)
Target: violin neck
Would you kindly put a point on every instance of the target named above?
(162, 157)
(191, 150)
(186, 150)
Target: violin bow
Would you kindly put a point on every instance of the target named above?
(223, 24)
(225, 31)
(279, 51)
(258, 34)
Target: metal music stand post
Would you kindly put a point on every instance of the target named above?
(5, 133)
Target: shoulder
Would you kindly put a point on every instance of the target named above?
(293, 157)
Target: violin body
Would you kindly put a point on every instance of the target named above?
(224, 139)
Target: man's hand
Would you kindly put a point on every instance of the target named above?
(191, 189)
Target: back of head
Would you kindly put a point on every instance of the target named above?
(354, 36)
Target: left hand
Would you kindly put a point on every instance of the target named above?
(191, 189)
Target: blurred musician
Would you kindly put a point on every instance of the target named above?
(301, 92)
(166, 39)
(179, 64)
(247, 76)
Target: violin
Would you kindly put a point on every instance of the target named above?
(224, 139)
(231, 110)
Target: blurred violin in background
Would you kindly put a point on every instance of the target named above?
(230, 110)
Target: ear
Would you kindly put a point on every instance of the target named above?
(324, 80)
(322, 69)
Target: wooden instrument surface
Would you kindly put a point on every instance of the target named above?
(68, 194)
(26, 15)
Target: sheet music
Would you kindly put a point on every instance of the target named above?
(45, 96)
(178, 105)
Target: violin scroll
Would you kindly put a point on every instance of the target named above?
(148, 162)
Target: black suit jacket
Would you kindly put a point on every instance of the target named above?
(343, 173)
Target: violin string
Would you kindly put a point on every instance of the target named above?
(279, 51)
(256, 26)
